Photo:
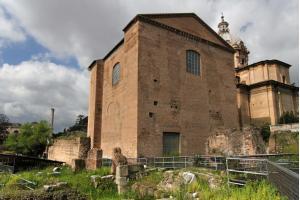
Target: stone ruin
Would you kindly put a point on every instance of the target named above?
(118, 159)
(91, 162)
(119, 167)
(226, 141)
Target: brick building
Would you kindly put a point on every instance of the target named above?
(163, 88)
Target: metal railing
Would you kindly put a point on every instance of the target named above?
(172, 162)
(285, 180)
(241, 170)
(107, 162)
(210, 161)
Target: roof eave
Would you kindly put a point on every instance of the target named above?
(90, 67)
(146, 19)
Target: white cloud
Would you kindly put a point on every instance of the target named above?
(31, 88)
(88, 30)
(10, 31)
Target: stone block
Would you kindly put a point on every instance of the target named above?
(134, 168)
(122, 189)
(122, 171)
(121, 180)
(78, 164)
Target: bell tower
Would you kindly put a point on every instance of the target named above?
(241, 51)
(224, 30)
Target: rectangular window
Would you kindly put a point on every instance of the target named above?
(193, 62)
(116, 74)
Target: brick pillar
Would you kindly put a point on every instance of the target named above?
(95, 103)
(93, 160)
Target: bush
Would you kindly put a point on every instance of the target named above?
(265, 132)
(31, 140)
(289, 117)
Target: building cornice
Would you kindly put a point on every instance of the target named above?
(273, 61)
(268, 83)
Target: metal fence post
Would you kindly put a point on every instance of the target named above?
(173, 162)
(216, 163)
(227, 172)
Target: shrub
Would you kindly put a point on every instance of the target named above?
(289, 117)
(265, 132)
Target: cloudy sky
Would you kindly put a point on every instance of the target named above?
(46, 46)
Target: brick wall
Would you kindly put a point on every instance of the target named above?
(187, 104)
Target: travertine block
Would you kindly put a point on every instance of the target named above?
(122, 171)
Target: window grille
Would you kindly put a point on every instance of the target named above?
(116, 74)
(193, 62)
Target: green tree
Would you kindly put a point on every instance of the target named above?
(80, 124)
(31, 140)
(4, 122)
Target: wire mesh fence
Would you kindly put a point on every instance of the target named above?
(285, 180)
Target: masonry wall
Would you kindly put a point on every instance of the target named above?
(263, 103)
(119, 113)
(286, 101)
(190, 25)
(67, 149)
(243, 106)
(264, 72)
(95, 104)
(247, 141)
(188, 104)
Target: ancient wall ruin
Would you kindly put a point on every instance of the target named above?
(247, 141)
(67, 149)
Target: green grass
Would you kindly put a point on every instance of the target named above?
(260, 190)
(288, 142)
(81, 182)
(255, 191)
(78, 181)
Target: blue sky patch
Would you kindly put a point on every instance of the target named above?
(17, 52)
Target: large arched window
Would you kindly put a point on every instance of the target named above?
(116, 73)
(193, 62)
